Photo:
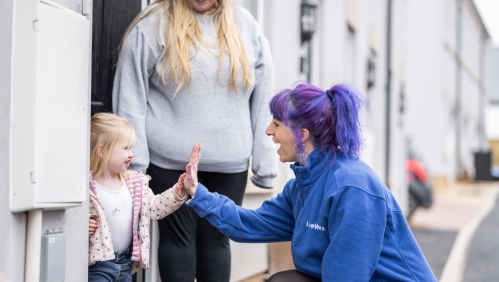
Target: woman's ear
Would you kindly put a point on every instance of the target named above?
(307, 141)
(305, 134)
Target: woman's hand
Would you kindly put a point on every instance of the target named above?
(92, 226)
(191, 170)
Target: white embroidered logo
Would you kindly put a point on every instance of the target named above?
(316, 226)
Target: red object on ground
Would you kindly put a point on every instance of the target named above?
(417, 169)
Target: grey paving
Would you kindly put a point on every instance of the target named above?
(483, 256)
(436, 246)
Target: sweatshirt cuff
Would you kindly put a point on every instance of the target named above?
(263, 182)
(203, 198)
(176, 197)
(200, 191)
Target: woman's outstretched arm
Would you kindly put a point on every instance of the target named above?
(272, 222)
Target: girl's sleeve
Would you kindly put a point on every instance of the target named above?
(131, 86)
(357, 223)
(272, 222)
(264, 160)
(161, 205)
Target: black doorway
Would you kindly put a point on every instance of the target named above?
(110, 21)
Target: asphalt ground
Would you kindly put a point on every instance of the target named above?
(436, 246)
(483, 256)
(459, 234)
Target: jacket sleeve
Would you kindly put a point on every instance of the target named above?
(357, 223)
(91, 239)
(163, 204)
(272, 222)
(131, 87)
(264, 157)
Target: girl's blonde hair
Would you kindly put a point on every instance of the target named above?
(105, 131)
(181, 32)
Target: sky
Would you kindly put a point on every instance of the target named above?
(489, 10)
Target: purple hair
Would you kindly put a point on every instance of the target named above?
(331, 116)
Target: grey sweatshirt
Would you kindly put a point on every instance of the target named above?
(230, 126)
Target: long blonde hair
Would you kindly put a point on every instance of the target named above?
(105, 131)
(180, 33)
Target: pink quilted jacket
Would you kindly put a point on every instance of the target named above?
(146, 207)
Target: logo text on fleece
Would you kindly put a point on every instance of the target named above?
(315, 226)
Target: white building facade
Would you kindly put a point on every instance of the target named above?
(421, 65)
(446, 85)
(492, 127)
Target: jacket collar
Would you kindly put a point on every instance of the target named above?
(317, 161)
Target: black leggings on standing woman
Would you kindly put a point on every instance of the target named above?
(189, 246)
(292, 275)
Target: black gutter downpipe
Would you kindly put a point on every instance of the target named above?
(459, 166)
(388, 91)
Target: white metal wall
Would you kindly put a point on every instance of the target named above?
(12, 235)
(492, 110)
(431, 76)
(13, 231)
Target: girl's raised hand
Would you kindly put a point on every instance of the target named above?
(180, 189)
(191, 170)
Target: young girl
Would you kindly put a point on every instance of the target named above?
(121, 203)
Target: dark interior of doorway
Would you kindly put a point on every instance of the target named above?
(110, 19)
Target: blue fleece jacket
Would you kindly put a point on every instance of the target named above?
(343, 223)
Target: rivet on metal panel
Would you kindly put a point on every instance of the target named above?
(36, 25)
(33, 177)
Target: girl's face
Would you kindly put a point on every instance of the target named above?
(119, 157)
(201, 6)
(281, 134)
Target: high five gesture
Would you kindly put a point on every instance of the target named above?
(191, 170)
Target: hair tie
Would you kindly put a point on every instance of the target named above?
(329, 94)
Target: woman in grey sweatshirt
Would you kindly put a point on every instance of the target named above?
(203, 66)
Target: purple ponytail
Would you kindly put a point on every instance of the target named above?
(331, 117)
(346, 105)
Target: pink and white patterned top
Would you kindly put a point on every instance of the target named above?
(146, 207)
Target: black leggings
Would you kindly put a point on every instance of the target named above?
(292, 276)
(189, 246)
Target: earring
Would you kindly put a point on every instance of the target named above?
(299, 155)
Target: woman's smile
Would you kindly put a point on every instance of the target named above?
(282, 135)
(202, 6)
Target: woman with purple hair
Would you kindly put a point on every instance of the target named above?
(342, 221)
